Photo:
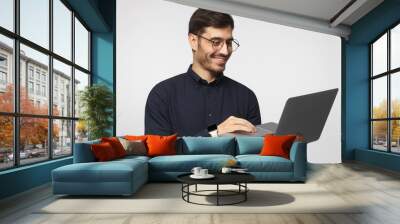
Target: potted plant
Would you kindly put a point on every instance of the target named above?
(96, 102)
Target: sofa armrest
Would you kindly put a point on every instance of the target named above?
(298, 155)
(83, 152)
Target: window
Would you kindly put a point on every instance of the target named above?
(3, 61)
(37, 89)
(81, 81)
(385, 92)
(33, 149)
(3, 78)
(38, 74)
(395, 47)
(7, 14)
(30, 87)
(6, 73)
(6, 142)
(30, 72)
(3, 72)
(54, 126)
(35, 21)
(62, 75)
(44, 91)
(62, 29)
(81, 45)
(62, 137)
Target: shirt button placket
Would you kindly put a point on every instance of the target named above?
(208, 100)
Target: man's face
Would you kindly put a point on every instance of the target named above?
(206, 55)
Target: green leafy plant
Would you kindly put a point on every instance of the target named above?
(96, 102)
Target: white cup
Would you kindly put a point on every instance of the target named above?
(203, 172)
(226, 170)
(196, 170)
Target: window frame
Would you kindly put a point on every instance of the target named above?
(388, 74)
(16, 114)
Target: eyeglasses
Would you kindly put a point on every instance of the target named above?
(218, 43)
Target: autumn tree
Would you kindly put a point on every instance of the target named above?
(380, 127)
(33, 131)
(6, 122)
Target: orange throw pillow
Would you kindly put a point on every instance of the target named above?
(136, 137)
(161, 145)
(116, 145)
(277, 145)
(103, 152)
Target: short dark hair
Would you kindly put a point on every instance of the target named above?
(203, 18)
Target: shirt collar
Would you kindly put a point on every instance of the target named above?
(198, 79)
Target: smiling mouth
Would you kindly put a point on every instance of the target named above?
(220, 60)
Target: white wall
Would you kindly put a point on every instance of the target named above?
(275, 61)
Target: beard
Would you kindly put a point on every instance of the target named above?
(214, 62)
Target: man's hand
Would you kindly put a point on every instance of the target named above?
(234, 124)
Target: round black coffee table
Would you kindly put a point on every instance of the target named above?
(238, 179)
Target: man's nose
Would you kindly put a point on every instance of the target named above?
(224, 49)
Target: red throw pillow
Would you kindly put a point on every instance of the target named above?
(103, 151)
(161, 145)
(116, 145)
(277, 145)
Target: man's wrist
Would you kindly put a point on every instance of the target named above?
(214, 133)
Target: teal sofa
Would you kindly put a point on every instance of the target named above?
(125, 176)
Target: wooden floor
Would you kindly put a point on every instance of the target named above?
(378, 188)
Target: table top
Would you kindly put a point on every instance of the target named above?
(220, 178)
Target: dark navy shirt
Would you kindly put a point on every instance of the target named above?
(187, 104)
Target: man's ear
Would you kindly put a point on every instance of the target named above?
(193, 41)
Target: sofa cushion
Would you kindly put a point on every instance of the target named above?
(277, 145)
(185, 163)
(161, 145)
(249, 145)
(133, 158)
(136, 137)
(103, 152)
(134, 147)
(257, 163)
(207, 145)
(116, 145)
(111, 171)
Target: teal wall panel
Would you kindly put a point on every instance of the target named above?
(24, 178)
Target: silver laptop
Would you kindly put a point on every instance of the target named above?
(305, 115)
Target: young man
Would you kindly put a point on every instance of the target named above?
(202, 101)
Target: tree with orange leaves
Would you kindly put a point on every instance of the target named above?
(33, 130)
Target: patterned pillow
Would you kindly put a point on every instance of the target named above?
(134, 147)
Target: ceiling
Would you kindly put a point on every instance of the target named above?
(326, 16)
